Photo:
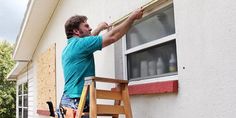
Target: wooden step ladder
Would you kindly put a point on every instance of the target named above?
(118, 94)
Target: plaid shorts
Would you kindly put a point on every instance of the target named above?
(73, 103)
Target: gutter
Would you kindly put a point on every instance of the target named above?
(12, 76)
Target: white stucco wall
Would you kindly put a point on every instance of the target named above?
(205, 32)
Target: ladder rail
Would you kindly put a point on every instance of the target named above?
(118, 94)
(107, 80)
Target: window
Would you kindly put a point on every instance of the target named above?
(23, 100)
(150, 46)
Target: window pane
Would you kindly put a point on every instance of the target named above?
(20, 89)
(26, 101)
(20, 113)
(20, 100)
(25, 85)
(25, 113)
(153, 62)
(157, 25)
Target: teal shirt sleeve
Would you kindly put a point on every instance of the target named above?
(92, 43)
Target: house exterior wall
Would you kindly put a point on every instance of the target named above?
(28, 76)
(205, 32)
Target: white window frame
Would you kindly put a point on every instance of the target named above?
(21, 82)
(156, 42)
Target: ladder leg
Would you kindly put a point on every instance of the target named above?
(93, 106)
(82, 101)
(125, 97)
(117, 102)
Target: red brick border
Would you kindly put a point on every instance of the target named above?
(43, 112)
(154, 88)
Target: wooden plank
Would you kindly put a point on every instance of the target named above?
(104, 114)
(117, 102)
(125, 97)
(146, 8)
(93, 102)
(105, 94)
(46, 77)
(82, 101)
(110, 109)
(109, 80)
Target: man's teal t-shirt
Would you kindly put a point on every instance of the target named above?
(78, 63)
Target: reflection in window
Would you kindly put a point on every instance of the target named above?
(26, 101)
(25, 85)
(153, 62)
(20, 112)
(158, 59)
(25, 113)
(20, 101)
(155, 26)
(20, 90)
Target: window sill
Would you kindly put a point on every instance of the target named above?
(43, 112)
(170, 86)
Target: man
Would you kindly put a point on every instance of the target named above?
(77, 56)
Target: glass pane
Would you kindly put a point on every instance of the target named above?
(20, 100)
(20, 89)
(155, 26)
(25, 85)
(153, 62)
(20, 112)
(25, 115)
(26, 101)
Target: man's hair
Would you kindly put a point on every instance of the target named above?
(73, 23)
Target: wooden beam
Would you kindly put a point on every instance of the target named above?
(146, 7)
(110, 109)
(105, 94)
(109, 80)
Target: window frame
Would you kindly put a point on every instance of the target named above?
(21, 83)
(22, 95)
(126, 52)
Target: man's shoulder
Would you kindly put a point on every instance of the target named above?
(92, 37)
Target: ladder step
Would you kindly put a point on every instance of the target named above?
(106, 94)
(110, 109)
(105, 114)
(109, 80)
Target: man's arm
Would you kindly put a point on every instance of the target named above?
(117, 32)
(102, 26)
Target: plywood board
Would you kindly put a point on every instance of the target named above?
(46, 78)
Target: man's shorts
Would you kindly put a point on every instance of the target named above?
(73, 103)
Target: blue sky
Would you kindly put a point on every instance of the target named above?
(11, 16)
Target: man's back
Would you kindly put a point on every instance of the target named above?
(78, 62)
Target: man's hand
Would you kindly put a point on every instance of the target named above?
(118, 31)
(101, 26)
(137, 14)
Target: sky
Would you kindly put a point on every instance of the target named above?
(11, 16)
